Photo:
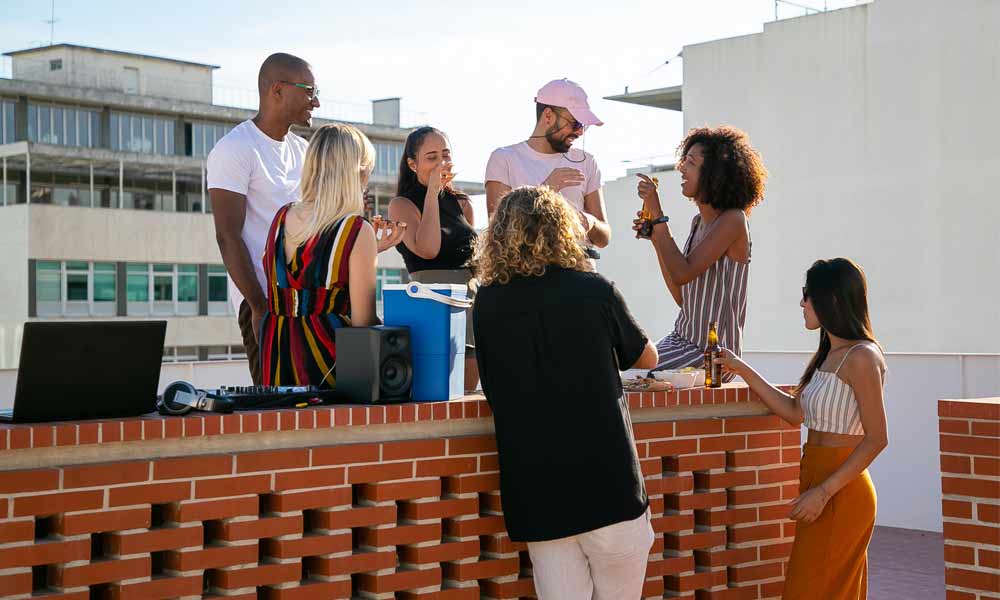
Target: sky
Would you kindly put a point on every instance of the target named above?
(470, 68)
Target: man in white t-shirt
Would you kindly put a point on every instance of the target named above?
(562, 114)
(252, 172)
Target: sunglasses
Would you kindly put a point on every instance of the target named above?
(572, 121)
(312, 92)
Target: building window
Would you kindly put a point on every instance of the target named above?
(172, 354)
(387, 157)
(55, 65)
(75, 289)
(63, 125)
(141, 133)
(161, 290)
(61, 195)
(203, 136)
(6, 121)
(218, 291)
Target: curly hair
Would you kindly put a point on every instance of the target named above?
(533, 227)
(733, 174)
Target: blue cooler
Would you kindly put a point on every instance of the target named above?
(435, 314)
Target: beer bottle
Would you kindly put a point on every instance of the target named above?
(713, 372)
(646, 229)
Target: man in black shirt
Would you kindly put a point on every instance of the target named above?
(551, 339)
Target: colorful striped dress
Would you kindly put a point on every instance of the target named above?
(308, 299)
(719, 294)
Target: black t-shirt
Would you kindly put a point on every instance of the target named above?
(549, 350)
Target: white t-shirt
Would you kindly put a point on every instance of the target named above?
(268, 173)
(521, 164)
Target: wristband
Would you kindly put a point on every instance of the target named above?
(658, 220)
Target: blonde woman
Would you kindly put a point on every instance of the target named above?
(551, 336)
(319, 260)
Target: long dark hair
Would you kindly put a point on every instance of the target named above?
(408, 186)
(838, 292)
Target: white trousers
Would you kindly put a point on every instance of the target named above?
(604, 564)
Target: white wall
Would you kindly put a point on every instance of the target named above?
(878, 124)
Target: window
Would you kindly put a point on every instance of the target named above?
(141, 133)
(387, 157)
(384, 277)
(55, 65)
(162, 290)
(180, 354)
(203, 137)
(63, 125)
(173, 354)
(75, 289)
(61, 195)
(6, 121)
(218, 291)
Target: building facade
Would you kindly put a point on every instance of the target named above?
(105, 209)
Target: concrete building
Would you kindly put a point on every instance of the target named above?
(877, 123)
(105, 211)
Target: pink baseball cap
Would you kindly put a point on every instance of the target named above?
(569, 95)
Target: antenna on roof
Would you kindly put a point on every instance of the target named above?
(52, 24)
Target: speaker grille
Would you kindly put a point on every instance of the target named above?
(396, 376)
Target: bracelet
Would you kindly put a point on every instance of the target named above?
(658, 220)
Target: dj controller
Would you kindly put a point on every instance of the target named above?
(181, 397)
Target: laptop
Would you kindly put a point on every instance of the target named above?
(87, 370)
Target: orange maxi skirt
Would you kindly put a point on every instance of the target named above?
(830, 555)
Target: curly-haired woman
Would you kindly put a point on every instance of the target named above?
(724, 176)
(551, 336)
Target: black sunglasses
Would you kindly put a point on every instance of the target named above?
(571, 120)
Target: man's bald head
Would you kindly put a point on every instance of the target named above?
(280, 67)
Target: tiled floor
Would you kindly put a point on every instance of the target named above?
(905, 564)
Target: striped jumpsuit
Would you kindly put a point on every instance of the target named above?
(719, 294)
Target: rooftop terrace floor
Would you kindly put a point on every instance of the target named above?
(905, 564)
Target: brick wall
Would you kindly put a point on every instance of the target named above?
(410, 519)
(970, 504)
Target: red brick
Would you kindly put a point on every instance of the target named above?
(256, 576)
(189, 467)
(669, 566)
(951, 463)
(213, 509)
(673, 447)
(480, 444)
(779, 475)
(158, 588)
(956, 509)
(359, 562)
(745, 424)
(322, 498)
(380, 472)
(988, 513)
(502, 544)
(522, 588)
(489, 462)
(44, 553)
(765, 440)
(440, 553)
(401, 534)
(438, 509)
(753, 458)
(211, 557)
(690, 541)
(986, 466)
(413, 449)
(696, 500)
(17, 531)
(754, 496)
(669, 485)
(754, 533)
(687, 583)
(464, 484)
(965, 578)
(446, 466)
(33, 480)
(66, 434)
(404, 490)
(50, 504)
(151, 493)
(990, 428)
(342, 455)
(988, 558)
(755, 573)
(264, 527)
(310, 478)
(232, 486)
(89, 433)
(979, 488)
(960, 444)
(103, 520)
(725, 558)
(672, 523)
(722, 442)
(307, 590)
(361, 516)
(16, 583)
(698, 427)
(105, 474)
(774, 512)
(477, 526)
(310, 545)
(155, 540)
(101, 572)
(791, 438)
(965, 555)
(776, 551)
(647, 431)
(482, 569)
(713, 481)
(969, 409)
(272, 460)
(956, 426)
(42, 436)
(695, 462)
(732, 516)
(401, 580)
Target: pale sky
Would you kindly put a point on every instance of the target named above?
(470, 68)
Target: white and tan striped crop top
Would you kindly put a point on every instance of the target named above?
(828, 402)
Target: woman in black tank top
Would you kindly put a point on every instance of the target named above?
(440, 235)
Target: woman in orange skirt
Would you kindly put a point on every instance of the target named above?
(839, 399)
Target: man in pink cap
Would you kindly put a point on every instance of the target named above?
(562, 114)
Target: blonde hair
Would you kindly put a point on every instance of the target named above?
(533, 227)
(337, 158)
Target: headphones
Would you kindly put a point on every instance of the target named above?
(180, 398)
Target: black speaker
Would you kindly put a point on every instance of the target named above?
(374, 364)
